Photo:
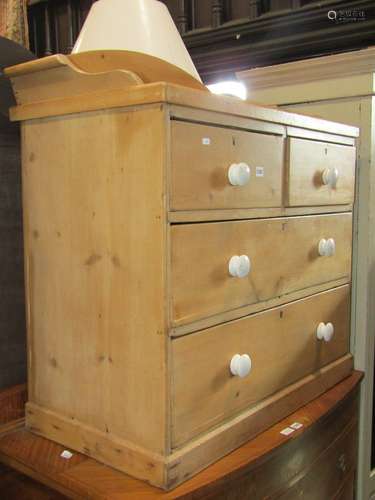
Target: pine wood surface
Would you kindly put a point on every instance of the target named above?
(307, 160)
(233, 121)
(98, 290)
(181, 216)
(107, 276)
(197, 454)
(267, 465)
(205, 249)
(123, 68)
(92, 271)
(62, 78)
(205, 394)
(319, 136)
(203, 183)
(153, 93)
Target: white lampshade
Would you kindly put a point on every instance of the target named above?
(143, 26)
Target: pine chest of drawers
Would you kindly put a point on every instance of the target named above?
(188, 262)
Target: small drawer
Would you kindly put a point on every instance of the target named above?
(278, 256)
(320, 173)
(219, 168)
(282, 345)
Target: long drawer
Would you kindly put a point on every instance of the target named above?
(320, 173)
(282, 345)
(201, 157)
(283, 256)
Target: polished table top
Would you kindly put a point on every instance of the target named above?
(83, 477)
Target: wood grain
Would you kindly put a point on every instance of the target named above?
(18, 486)
(109, 277)
(182, 216)
(92, 269)
(63, 78)
(12, 403)
(319, 136)
(331, 468)
(107, 447)
(169, 471)
(151, 93)
(199, 453)
(266, 464)
(233, 314)
(201, 157)
(204, 391)
(148, 68)
(283, 253)
(347, 490)
(307, 160)
(174, 94)
(137, 68)
(196, 115)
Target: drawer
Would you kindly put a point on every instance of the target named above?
(320, 173)
(283, 347)
(347, 489)
(283, 255)
(202, 156)
(331, 475)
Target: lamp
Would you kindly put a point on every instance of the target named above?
(123, 43)
(142, 26)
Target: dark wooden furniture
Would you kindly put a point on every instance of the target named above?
(315, 462)
(12, 305)
(16, 486)
(12, 301)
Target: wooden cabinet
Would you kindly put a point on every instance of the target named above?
(283, 339)
(177, 313)
(320, 173)
(201, 159)
(200, 254)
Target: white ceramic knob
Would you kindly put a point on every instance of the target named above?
(239, 266)
(239, 174)
(330, 177)
(327, 248)
(240, 365)
(331, 247)
(325, 331)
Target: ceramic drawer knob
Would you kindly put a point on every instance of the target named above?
(240, 365)
(239, 174)
(325, 331)
(239, 266)
(330, 177)
(327, 248)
